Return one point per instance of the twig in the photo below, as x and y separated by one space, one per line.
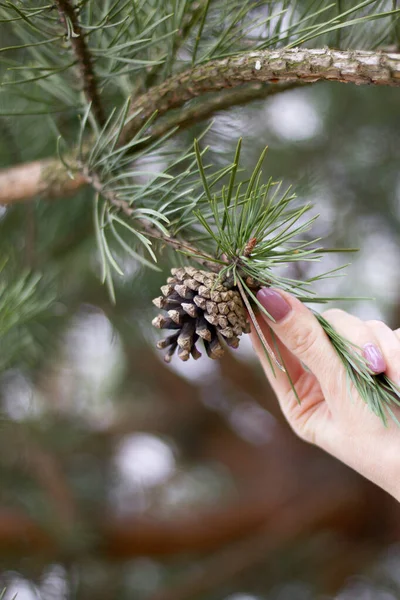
151 230
198 255
76 36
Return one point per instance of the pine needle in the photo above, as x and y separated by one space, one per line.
275 224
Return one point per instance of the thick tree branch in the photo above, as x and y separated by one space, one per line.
343 508
49 177
359 67
69 18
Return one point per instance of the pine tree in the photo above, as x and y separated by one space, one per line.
106 169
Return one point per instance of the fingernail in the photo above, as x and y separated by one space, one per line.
374 358
273 303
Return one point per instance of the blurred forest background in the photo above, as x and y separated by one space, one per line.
123 477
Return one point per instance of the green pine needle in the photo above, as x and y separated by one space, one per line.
24 306
257 227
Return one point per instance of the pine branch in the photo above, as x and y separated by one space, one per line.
290 66
257 228
49 178
148 227
25 305
125 538
353 66
68 14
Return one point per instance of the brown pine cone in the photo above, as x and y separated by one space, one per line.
198 306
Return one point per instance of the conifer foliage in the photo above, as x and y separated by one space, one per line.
105 90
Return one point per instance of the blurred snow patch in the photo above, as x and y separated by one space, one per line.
20 401
293 116
145 460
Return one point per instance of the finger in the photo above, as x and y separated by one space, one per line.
293 367
361 335
309 417
389 343
300 332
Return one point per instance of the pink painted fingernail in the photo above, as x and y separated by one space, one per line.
273 303
374 358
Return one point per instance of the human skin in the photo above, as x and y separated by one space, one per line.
327 416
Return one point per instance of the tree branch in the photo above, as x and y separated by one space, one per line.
49 177
340 505
200 257
213 103
77 38
357 66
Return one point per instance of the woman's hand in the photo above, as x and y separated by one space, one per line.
328 416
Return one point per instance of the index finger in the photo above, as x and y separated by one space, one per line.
278 379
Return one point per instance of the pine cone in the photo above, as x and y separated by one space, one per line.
199 306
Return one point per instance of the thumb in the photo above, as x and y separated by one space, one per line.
299 331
